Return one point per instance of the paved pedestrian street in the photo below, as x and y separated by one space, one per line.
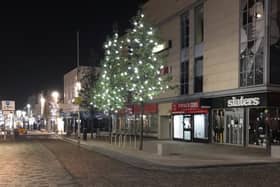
29 163
58 163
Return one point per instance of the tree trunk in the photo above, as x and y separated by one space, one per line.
142 126
110 125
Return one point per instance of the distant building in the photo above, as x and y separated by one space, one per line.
73 82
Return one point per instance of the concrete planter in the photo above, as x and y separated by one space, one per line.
275 151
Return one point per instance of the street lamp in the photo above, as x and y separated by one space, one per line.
55 96
28 109
78 88
42 100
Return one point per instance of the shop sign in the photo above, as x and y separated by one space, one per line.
240 102
8 105
136 109
188 108
148 108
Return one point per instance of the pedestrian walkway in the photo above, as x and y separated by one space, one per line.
178 156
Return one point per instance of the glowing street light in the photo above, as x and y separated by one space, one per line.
42 100
55 96
28 109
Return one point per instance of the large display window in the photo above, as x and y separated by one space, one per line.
200 126
190 127
264 122
178 127
228 126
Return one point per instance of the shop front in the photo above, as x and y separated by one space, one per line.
190 122
129 119
246 120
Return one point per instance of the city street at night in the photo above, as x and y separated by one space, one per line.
148 93
51 162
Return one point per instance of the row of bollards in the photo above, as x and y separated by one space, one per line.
123 140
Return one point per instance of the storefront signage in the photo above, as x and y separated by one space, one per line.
148 108
136 109
8 105
188 108
239 102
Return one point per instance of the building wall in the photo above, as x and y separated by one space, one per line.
165 10
70 80
221 41
221 54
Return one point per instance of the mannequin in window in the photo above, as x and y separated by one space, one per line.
219 126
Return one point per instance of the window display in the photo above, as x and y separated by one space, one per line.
234 129
228 126
200 127
260 119
257 127
218 125
178 127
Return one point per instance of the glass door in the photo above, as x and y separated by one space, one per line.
234 131
187 127
200 127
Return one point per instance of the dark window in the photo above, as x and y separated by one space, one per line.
199 24
184 82
275 42
198 75
185 30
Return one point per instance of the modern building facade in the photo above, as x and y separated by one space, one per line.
224 61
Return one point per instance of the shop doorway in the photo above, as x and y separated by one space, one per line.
188 127
228 126
234 131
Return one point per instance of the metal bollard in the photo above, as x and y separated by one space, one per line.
135 139
124 140
120 139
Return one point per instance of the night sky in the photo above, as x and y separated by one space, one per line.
38 41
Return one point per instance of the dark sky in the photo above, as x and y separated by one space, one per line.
38 40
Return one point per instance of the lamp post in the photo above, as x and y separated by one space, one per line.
43 101
55 96
77 102
28 109
28 115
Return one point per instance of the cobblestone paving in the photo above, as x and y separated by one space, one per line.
58 163
29 163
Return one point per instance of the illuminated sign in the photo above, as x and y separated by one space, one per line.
161 47
8 105
237 102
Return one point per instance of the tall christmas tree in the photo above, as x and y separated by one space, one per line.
144 64
108 92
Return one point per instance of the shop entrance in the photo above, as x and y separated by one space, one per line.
187 120
234 131
228 126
